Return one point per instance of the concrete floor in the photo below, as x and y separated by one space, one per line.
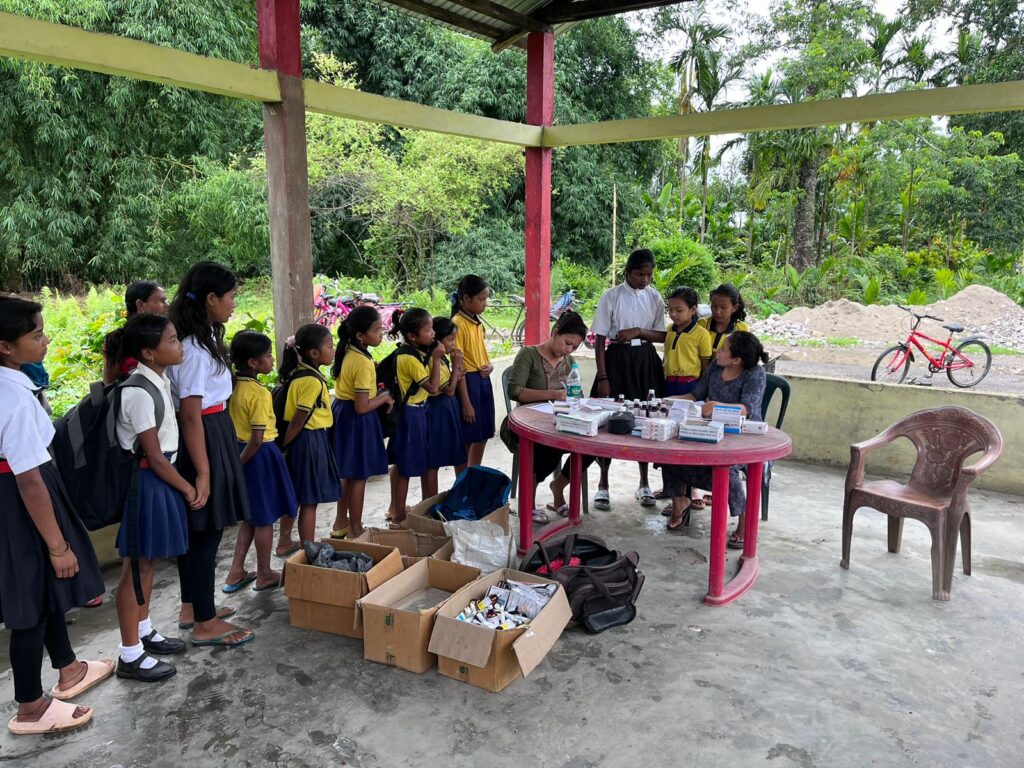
815 667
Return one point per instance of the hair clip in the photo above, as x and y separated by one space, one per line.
190 295
290 342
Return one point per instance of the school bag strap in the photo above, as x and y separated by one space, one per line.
405 349
138 381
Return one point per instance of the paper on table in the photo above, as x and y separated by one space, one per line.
543 407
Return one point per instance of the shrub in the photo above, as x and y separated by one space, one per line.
588 283
682 261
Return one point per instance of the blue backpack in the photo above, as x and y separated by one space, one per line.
477 492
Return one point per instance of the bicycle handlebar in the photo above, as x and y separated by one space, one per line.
919 317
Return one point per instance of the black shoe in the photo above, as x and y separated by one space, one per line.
134 671
166 647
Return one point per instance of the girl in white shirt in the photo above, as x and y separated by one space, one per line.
47 563
155 512
201 386
632 317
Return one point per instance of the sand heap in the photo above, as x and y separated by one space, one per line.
982 310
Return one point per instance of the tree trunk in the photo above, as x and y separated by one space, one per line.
803 237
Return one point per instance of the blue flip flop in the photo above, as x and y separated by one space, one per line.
238 586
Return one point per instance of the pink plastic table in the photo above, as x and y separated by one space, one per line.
533 426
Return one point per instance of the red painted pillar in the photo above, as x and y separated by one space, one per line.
540 110
284 137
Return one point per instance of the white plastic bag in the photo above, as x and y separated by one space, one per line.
481 544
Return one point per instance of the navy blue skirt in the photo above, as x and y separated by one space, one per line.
311 465
481 395
358 442
408 448
271 495
163 520
677 388
444 425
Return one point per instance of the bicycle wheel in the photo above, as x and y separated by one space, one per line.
892 366
517 334
970 364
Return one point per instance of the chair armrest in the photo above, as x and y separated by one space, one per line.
858 452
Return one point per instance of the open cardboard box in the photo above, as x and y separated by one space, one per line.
397 635
491 658
417 519
325 599
409 543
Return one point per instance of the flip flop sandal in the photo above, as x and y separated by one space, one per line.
660 494
221 642
707 498
735 542
224 612
684 522
265 587
562 511
289 553
96 673
540 516
697 504
340 533
667 510
96 602
238 586
57 718
645 497
602 500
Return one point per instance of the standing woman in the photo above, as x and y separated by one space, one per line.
141 296
632 316
475 391
209 460
47 563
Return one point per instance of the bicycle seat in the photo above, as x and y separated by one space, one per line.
953 327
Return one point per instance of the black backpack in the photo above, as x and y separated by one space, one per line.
279 397
387 378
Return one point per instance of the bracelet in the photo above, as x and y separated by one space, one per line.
602 378
66 549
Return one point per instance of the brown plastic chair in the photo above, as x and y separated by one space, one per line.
936 493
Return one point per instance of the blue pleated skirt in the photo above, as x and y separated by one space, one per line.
481 395
163 520
677 388
271 495
358 442
312 468
408 449
444 426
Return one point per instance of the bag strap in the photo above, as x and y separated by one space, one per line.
138 381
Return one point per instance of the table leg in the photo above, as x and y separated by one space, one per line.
719 529
753 510
575 487
526 494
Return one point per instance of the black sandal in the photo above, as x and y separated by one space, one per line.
684 521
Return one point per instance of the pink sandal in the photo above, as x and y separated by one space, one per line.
97 672
57 718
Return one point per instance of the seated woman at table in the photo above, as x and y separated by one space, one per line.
538 375
734 378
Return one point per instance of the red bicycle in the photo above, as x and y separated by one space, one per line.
966 364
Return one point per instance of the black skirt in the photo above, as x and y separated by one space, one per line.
633 371
229 499
29 588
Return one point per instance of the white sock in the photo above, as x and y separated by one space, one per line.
131 653
145 627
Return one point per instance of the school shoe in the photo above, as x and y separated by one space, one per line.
166 647
133 670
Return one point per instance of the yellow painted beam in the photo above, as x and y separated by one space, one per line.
356 105
968 99
42 41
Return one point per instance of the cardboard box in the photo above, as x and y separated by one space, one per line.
398 617
418 521
325 599
409 543
489 658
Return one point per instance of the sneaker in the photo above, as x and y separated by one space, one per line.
133 670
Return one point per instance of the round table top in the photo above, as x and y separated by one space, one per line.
539 427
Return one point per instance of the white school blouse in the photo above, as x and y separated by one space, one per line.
25 429
138 413
199 375
623 307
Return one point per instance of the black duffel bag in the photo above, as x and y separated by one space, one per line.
601 585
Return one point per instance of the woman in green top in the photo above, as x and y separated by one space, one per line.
538 375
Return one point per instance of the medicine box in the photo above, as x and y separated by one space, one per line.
702 432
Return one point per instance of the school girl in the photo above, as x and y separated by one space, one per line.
200 387
444 416
47 563
271 496
357 437
632 316
159 521
727 314
307 410
475 392
419 376
687 343
140 296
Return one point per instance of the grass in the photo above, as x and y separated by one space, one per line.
998 350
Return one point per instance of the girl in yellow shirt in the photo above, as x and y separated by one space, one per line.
444 415
475 391
357 437
687 343
271 495
727 314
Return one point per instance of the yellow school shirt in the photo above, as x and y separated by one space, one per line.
413 370
469 337
310 393
685 349
252 408
446 375
716 337
358 374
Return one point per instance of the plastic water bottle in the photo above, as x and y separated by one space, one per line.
574 387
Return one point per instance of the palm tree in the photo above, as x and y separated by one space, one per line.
881 34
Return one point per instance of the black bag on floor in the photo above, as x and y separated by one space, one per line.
602 586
